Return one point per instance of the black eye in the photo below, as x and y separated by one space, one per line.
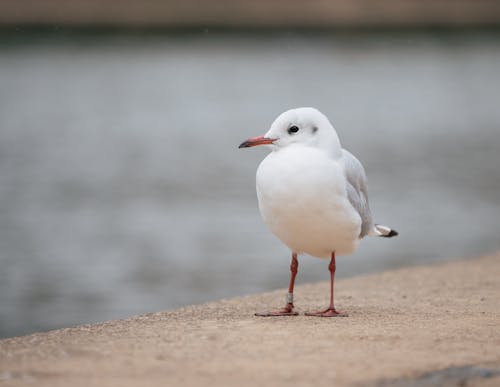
293 129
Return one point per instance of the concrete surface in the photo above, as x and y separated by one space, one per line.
421 326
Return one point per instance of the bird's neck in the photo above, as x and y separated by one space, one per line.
330 144
331 148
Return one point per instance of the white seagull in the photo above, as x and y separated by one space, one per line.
312 194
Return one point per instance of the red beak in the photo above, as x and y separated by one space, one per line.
254 141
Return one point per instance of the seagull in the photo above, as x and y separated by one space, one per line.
312 195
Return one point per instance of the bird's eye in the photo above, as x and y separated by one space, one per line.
293 129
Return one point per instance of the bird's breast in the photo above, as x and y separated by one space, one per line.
302 198
302 175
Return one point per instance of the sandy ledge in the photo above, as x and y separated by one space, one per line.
402 324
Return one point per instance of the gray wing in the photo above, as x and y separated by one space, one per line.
357 191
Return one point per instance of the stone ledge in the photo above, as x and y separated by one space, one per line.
403 324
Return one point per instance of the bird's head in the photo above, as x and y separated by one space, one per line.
302 126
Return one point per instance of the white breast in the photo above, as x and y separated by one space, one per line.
302 198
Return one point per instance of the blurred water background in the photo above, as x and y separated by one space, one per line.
122 190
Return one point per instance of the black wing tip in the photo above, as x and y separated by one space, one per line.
391 234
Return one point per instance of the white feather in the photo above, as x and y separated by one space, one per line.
312 193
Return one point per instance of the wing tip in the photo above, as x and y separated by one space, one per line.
391 234
385 232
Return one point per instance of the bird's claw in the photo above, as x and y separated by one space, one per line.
330 312
286 311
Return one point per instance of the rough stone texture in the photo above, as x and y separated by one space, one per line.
403 324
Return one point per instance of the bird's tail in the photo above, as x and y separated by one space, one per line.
383 231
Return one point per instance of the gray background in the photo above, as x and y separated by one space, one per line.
122 190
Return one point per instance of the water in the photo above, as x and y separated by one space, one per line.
122 190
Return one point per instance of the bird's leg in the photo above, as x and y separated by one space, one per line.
287 310
330 311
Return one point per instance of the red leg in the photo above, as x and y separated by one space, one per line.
330 311
287 310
